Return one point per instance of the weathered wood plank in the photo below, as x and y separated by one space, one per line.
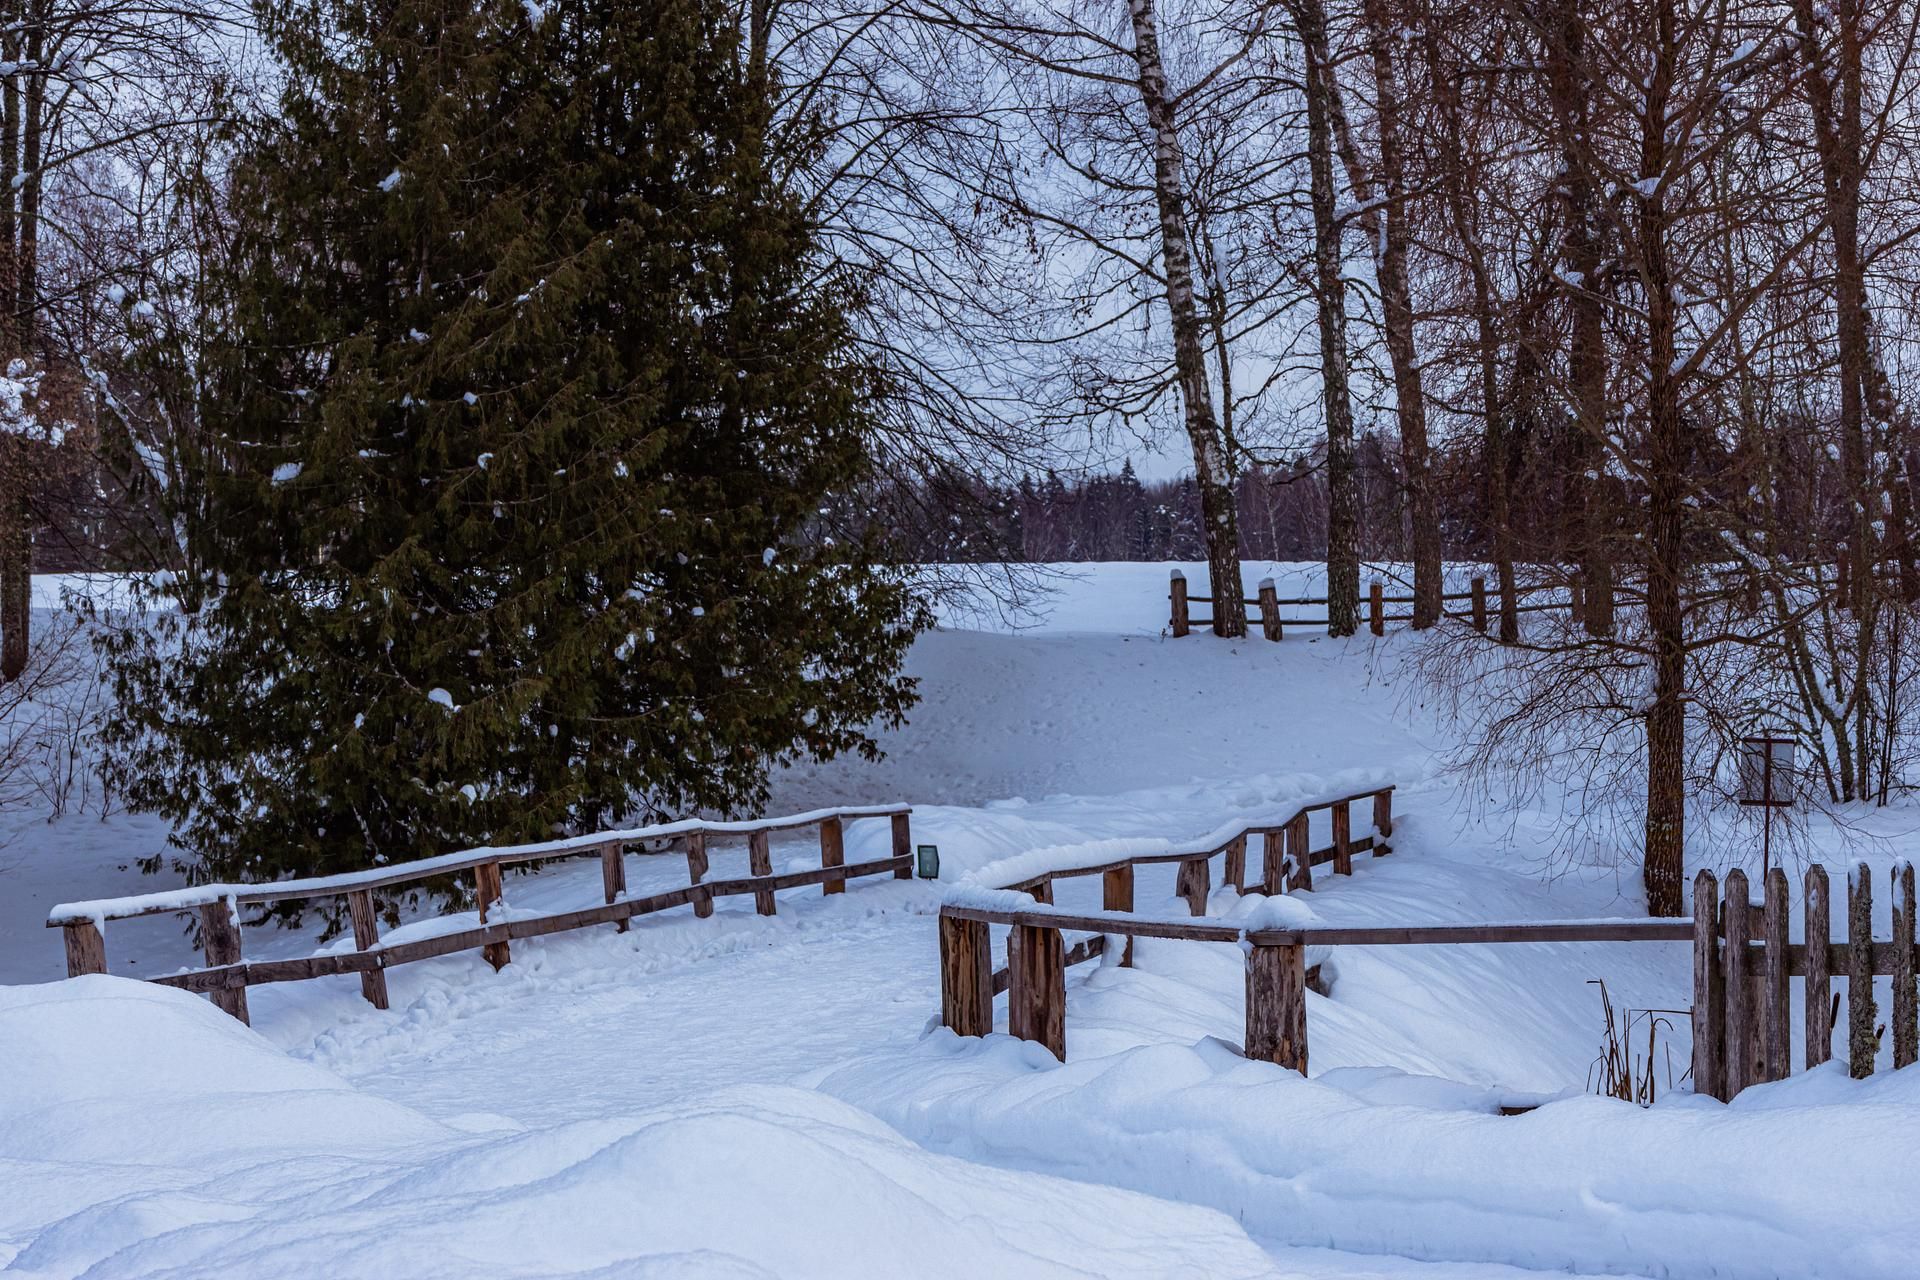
1037 993
487 888
1270 624
366 936
1861 1042
1273 862
760 863
1480 605
1740 1012
1042 891
697 868
1709 1007
1277 1006
220 940
613 874
1777 998
1234 866
966 994
903 845
1443 934
1299 854
1819 969
1342 839
833 853
86 948
1178 622
1906 1033
1194 884
1383 822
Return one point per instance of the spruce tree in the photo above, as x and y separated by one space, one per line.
527 394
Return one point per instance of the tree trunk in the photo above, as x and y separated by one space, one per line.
1343 558
1212 469
1386 225
16 582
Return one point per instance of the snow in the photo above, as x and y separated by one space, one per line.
287 473
748 1095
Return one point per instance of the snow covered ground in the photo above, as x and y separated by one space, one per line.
748 1096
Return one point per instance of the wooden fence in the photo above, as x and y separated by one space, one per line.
1269 603
1742 964
1037 958
227 974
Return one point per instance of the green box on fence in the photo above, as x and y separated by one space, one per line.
928 861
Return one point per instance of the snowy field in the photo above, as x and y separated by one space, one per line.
763 1097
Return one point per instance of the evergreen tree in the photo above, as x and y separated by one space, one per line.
527 398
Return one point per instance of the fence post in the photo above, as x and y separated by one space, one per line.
1709 1008
1376 609
1480 605
1297 849
1906 1034
1342 839
903 845
1382 822
1739 993
1116 894
1861 1042
1194 883
1779 1012
1037 987
1819 980
1277 1005
966 977
1177 593
1273 861
1043 892
697 866
487 888
1234 865
1270 625
760 863
833 853
613 874
220 939
366 936
86 947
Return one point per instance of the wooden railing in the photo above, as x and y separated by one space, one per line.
1286 864
227 974
1741 1011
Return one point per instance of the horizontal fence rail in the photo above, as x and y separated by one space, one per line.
227 975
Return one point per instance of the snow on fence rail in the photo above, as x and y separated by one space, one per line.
227 975
1742 962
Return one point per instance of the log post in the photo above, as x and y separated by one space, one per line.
1270 624
760 863
697 866
966 977
220 939
613 874
1906 1032
1194 884
1037 987
1234 865
1861 1042
833 853
903 845
1301 855
1376 609
1738 992
86 947
1116 894
1382 822
366 936
1273 861
1043 892
1177 593
1819 979
487 888
1277 1005
1342 839
1480 605
1778 1018
1709 1009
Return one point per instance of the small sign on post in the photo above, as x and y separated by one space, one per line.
1766 781
927 860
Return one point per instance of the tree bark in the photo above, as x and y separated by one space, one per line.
1385 224
1213 472
1343 558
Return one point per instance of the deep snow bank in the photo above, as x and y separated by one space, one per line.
1812 1176
144 1134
